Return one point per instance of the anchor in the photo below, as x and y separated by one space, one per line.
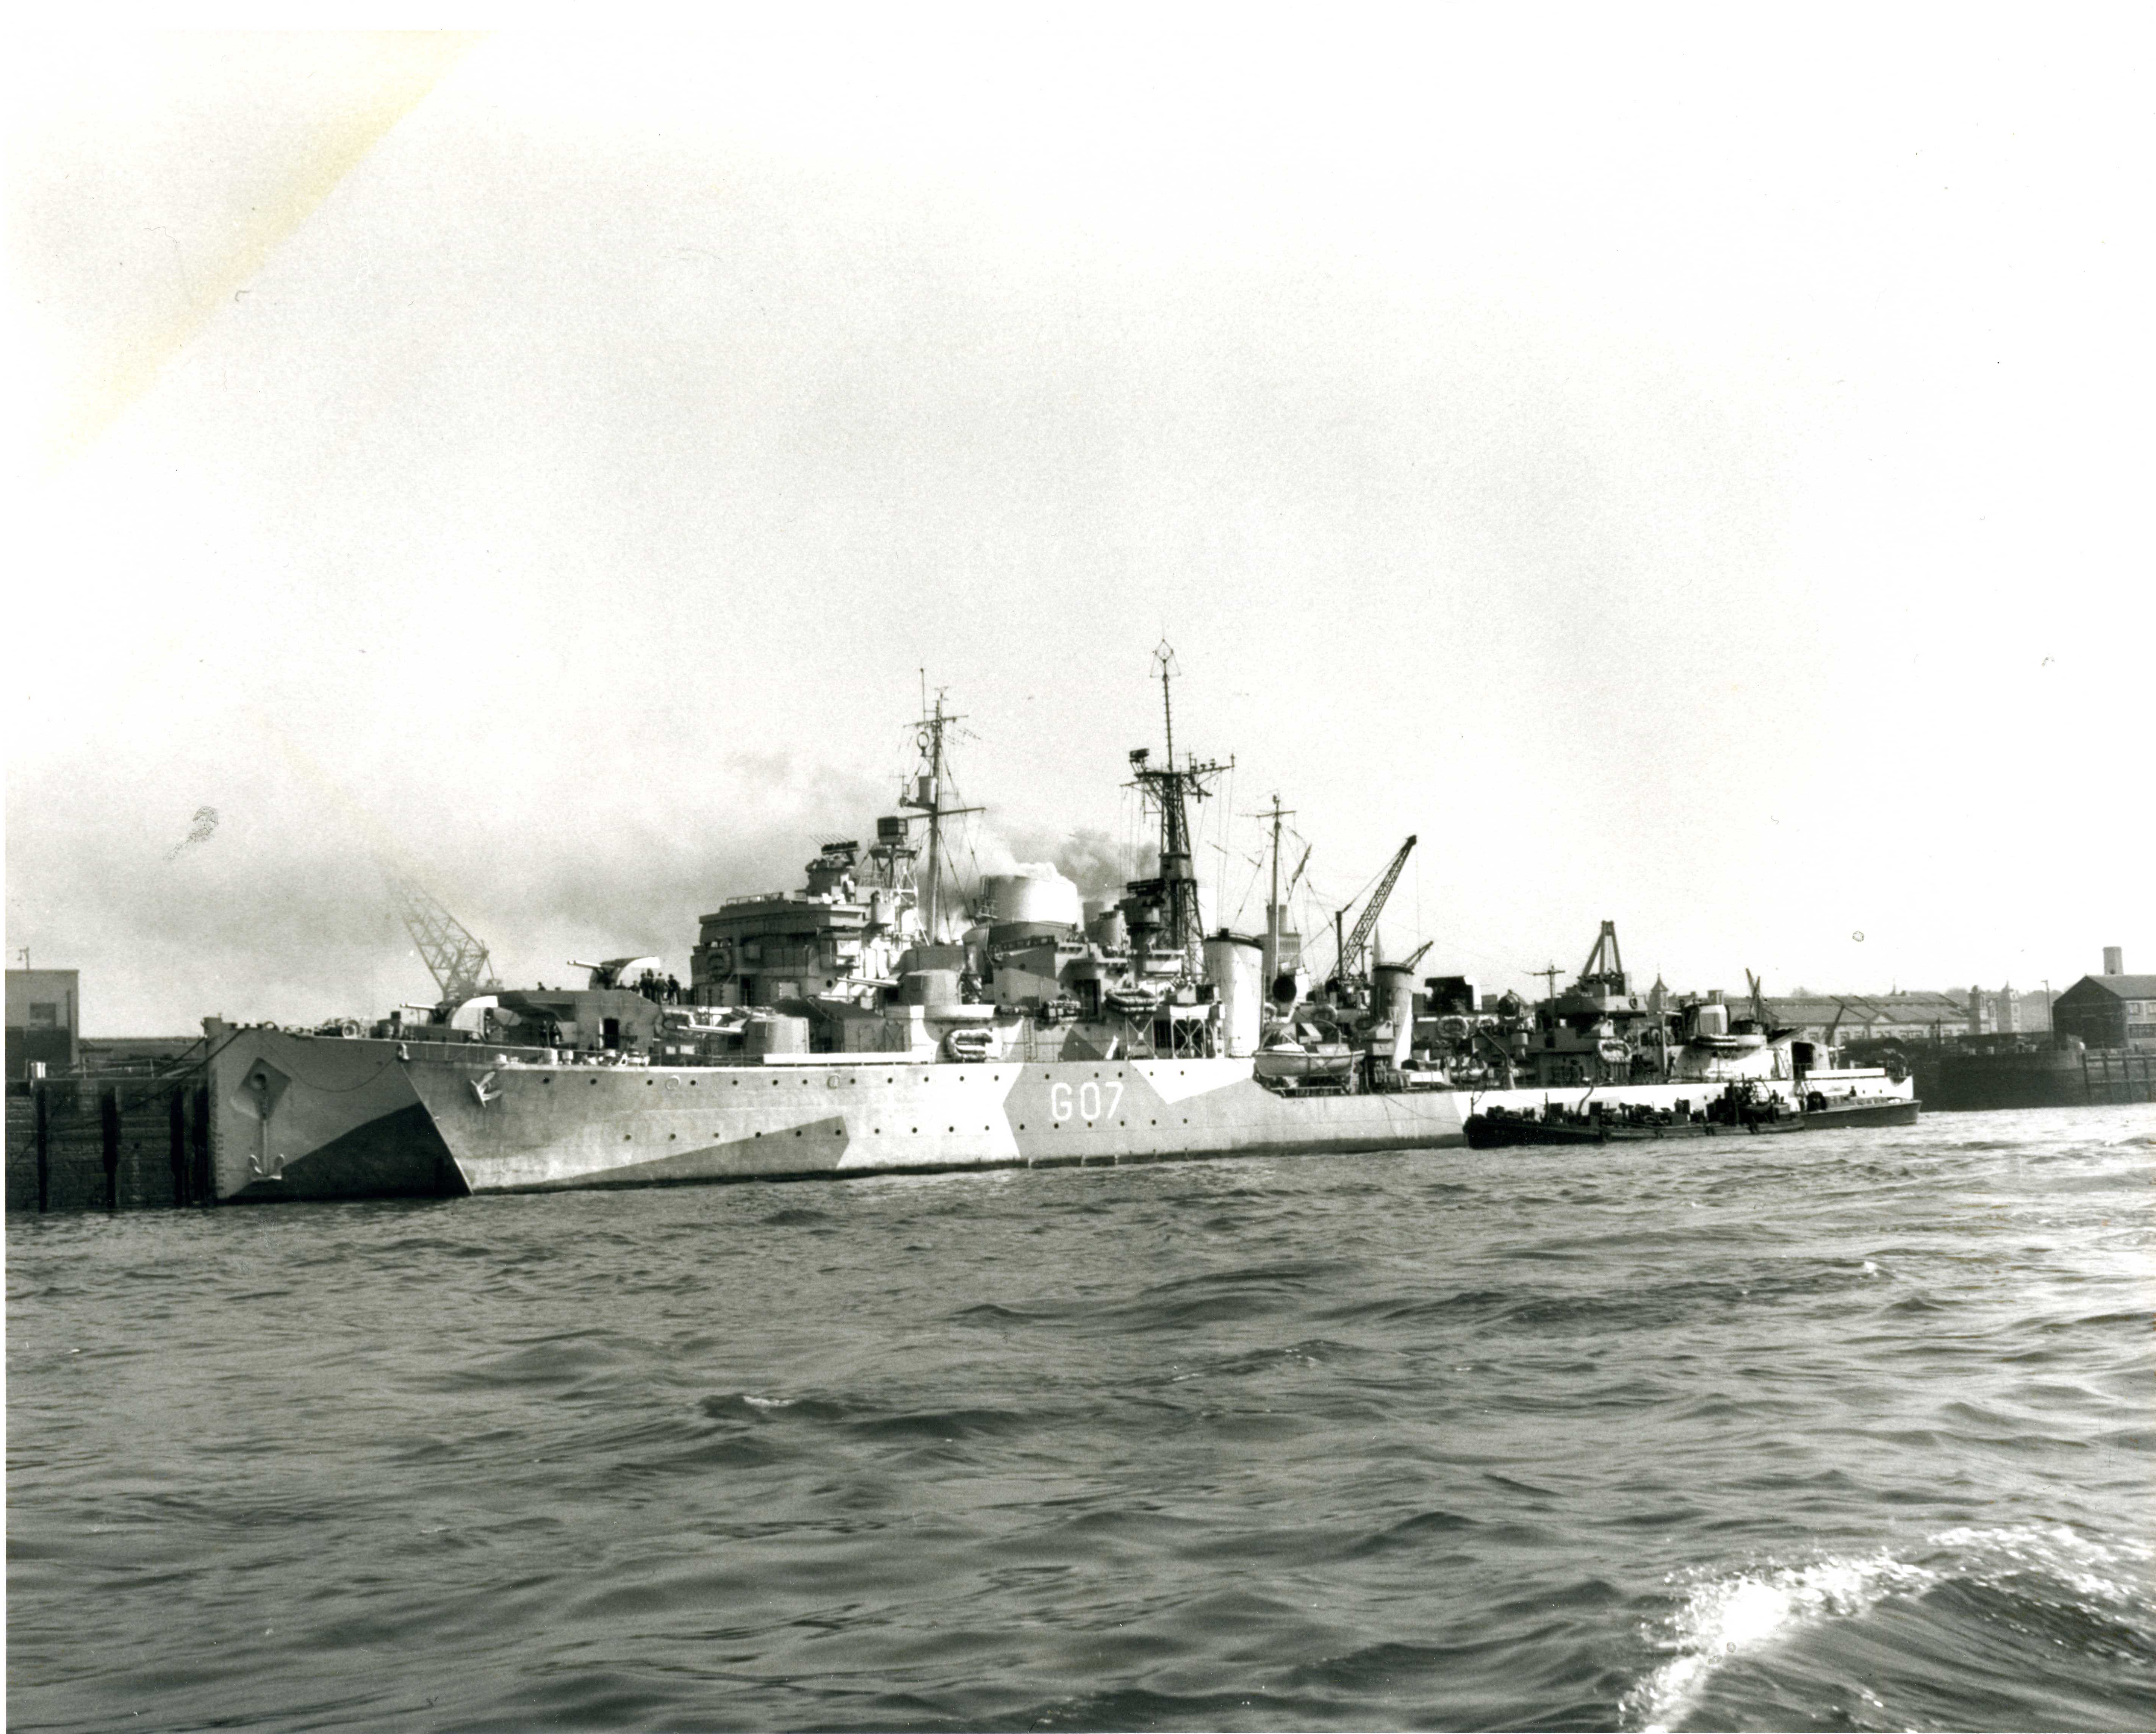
479 1087
261 1165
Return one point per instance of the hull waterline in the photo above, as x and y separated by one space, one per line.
526 1128
538 1128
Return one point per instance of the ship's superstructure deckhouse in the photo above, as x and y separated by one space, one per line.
862 958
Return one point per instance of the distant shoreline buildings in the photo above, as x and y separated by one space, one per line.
1914 1016
44 1019
2108 1009
2111 1009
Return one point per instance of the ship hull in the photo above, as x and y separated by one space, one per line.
541 1128
303 1117
1503 1132
1484 1132
298 1116
1899 1113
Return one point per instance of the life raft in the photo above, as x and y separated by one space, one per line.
970 1044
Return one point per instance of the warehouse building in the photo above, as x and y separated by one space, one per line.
44 1019
1871 1018
2112 1010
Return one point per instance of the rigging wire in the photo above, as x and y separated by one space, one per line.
1257 869
1327 912
1227 828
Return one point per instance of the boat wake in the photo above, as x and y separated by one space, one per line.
1749 1619
1727 1618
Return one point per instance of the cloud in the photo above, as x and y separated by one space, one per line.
290 917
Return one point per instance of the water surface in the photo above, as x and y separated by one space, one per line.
1853 1429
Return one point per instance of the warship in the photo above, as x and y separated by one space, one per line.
871 1022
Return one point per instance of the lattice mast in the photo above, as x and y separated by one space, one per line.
1171 789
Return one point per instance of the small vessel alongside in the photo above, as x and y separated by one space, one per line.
1737 1112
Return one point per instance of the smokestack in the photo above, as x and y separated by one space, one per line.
2114 960
1393 996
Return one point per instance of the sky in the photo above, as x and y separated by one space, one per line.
1687 470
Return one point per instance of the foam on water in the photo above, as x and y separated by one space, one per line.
1742 1615
2117 1573
1726 1618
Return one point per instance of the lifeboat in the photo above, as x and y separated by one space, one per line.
1292 1060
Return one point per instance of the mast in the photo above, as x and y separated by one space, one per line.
928 798
1171 790
935 724
1552 972
1276 812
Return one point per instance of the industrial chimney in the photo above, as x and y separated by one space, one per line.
2114 960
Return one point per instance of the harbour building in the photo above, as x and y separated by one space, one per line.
1836 1020
2112 1009
44 1020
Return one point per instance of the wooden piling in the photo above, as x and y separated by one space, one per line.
41 1113
2127 1075
177 1118
108 1113
205 1192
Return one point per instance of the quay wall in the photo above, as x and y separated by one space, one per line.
98 1144
1953 1081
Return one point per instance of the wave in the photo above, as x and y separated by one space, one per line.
2115 1573
1731 1616
1212 1297
1545 1309
2092 1599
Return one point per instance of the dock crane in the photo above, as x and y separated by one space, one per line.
1354 949
1604 968
458 961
